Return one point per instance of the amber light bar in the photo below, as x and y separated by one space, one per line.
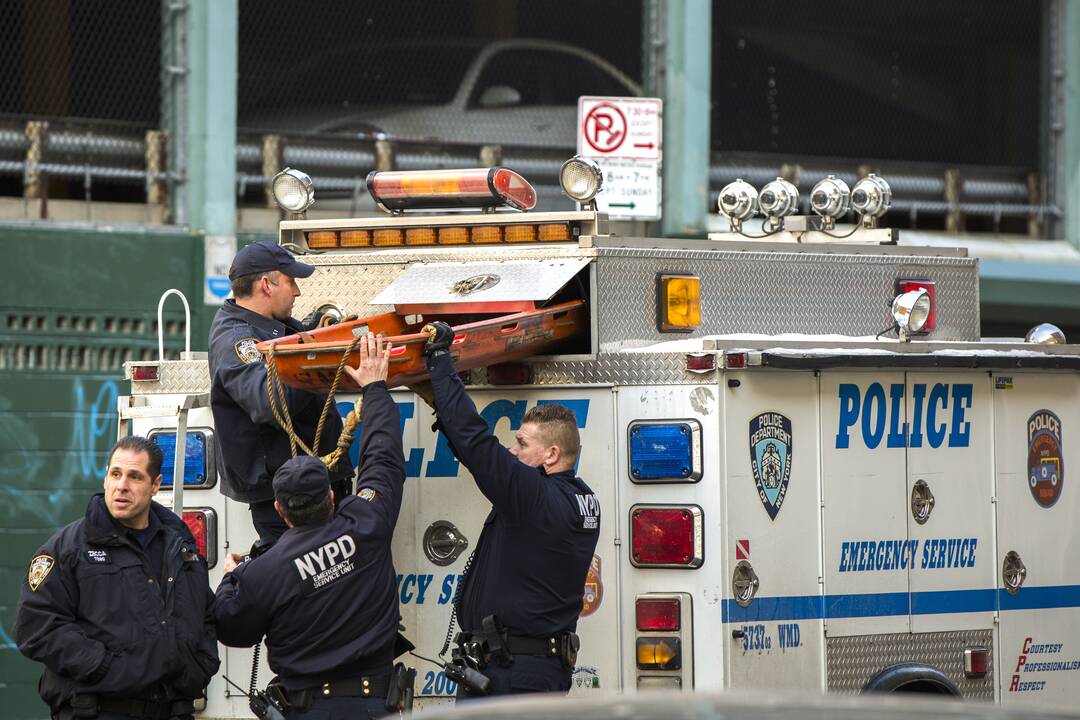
516 233
397 191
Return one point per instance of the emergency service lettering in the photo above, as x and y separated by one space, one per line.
420 589
935 554
938 415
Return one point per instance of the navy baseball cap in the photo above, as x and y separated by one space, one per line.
301 480
265 256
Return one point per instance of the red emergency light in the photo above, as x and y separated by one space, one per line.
202 523
657 614
666 536
397 191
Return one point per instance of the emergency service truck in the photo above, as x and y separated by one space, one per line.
792 498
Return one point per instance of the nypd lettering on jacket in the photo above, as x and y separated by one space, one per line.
934 554
935 415
326 563
589 507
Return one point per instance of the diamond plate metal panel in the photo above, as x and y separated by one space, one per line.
853 661
622 369
176 377
511 280
778 292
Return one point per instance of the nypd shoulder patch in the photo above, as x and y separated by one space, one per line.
40 567
366 494
246 351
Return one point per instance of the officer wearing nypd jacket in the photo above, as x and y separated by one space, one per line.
251 442
522 592
325 595
116 605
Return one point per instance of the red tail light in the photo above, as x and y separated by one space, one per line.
976 661
144 373
658 614
203 526
666 536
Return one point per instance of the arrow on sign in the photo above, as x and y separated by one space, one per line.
647 146
630 205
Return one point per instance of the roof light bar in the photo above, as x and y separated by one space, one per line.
398 191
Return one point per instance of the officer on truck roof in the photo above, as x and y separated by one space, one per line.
116 605
325 595
252 444
522 591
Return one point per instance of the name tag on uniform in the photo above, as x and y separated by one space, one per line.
100 557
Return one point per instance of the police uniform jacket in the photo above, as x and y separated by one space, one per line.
95 613
252 444
325 595
533 554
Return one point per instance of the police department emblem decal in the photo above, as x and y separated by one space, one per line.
770 459
40 567
1046 462
245 350
367 494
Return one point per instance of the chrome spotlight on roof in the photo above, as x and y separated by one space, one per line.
830 198
777 200
581 179
737 202
871 198
910 311
293 191
1045 334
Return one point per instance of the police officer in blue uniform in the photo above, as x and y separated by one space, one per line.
325 595
251 442
117 605
522 592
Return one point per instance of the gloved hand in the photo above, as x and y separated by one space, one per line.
440 337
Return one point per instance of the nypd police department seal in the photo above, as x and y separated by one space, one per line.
1046 461
40 567
770 459
366 494
246 351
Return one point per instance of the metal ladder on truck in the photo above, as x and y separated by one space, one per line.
132 407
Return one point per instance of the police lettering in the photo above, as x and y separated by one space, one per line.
321 562
937 413
1044 421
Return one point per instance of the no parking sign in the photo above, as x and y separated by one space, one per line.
624 135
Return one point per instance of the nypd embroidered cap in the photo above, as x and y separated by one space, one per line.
301 480
266 256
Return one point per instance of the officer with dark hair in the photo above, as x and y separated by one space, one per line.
252 444
117 605
522 592
325 595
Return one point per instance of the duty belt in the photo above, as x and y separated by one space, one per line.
145 709
519 644
363 686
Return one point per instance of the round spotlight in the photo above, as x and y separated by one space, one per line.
777 200
871 196
293 190
581 179
830 198
737 202
910 311
1045 334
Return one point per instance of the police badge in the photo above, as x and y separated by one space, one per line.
40 567
1046 461
770 459
246 351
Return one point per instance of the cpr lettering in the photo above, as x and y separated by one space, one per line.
326 556
413 588
936 415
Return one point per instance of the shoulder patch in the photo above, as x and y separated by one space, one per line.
40 567
366 494
245 350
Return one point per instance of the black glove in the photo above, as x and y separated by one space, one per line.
440 340
312 321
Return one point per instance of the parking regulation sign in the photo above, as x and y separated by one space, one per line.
624 135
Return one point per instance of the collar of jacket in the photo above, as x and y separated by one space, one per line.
270 326
102 529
